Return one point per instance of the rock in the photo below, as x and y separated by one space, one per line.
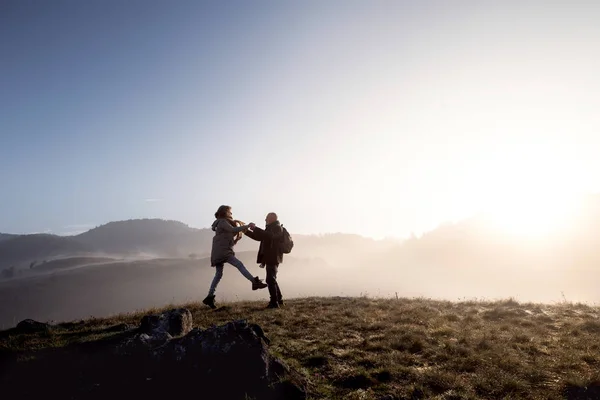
142 346
156 340
279 368
236 349
259 332
232 360
233 348
175 322
155 331
31 326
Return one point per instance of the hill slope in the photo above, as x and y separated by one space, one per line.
154 236
68 289
23 249
162 238
6 236
359 348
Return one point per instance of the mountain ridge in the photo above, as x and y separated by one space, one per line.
144 237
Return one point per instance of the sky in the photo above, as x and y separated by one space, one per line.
379 118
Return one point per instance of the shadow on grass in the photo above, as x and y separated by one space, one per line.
574 391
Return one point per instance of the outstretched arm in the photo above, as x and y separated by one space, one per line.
262 234
226 226
252 235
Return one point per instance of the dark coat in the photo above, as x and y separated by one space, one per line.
223 241
270 238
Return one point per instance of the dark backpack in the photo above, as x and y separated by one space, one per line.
286 243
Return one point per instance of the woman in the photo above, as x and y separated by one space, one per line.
227 234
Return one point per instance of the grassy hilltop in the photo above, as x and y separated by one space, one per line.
361 348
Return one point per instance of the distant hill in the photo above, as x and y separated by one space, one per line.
164 238
70 262
146 236
23 249
6 236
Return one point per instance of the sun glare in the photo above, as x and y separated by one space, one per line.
534 216
531 189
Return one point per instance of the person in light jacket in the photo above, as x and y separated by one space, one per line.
227 234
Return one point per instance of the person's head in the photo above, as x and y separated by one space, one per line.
271 217
224 212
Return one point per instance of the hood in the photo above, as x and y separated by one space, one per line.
214 224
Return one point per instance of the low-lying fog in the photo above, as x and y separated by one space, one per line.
101 288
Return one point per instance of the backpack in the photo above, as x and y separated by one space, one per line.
286 243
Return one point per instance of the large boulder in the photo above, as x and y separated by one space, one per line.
231 349
31 326
175 322
232 360
156 330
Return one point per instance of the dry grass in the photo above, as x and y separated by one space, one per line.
360 348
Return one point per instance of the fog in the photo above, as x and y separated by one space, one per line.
457 261
431 266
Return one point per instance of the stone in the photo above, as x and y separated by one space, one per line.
175 322
31 326
232 360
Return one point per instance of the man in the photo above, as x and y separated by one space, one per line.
270 254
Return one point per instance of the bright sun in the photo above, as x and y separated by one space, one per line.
532 195
534 215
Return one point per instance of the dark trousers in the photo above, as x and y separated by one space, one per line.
273 286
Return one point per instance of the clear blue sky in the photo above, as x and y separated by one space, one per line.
372 117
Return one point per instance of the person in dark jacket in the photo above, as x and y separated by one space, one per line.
227 234
270 254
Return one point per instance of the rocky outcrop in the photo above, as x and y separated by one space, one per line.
162 358
158 329
31 326
229 361
175 322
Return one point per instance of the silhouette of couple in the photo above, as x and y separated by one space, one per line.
228 232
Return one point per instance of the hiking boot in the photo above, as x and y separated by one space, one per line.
210 301
273 305
280 302
258 284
